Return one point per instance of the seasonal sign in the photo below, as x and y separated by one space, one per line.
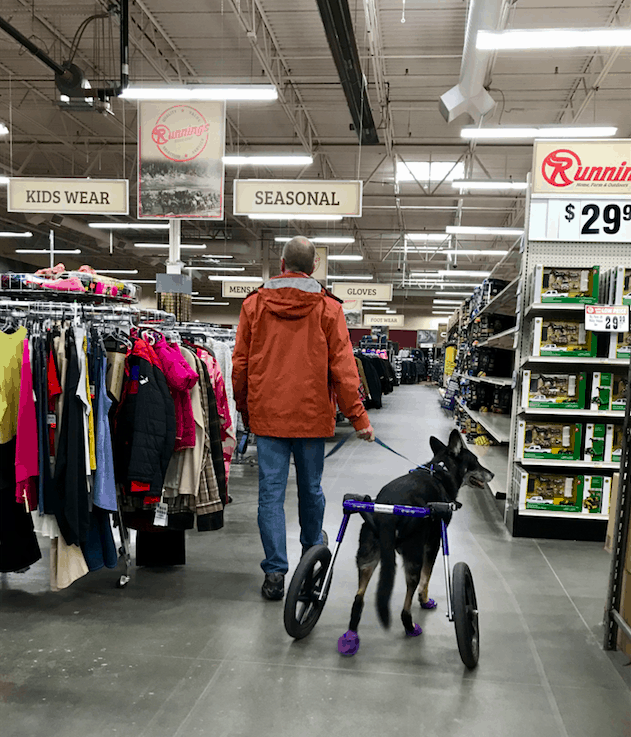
68 196
180 160
297 197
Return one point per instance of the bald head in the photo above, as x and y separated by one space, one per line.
299 255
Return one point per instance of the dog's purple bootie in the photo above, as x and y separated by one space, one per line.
429 604
415 632
348 644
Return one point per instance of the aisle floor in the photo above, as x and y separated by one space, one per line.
195 650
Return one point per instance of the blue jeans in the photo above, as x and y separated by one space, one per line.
274 456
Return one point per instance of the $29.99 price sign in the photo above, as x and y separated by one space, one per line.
596 221
606 319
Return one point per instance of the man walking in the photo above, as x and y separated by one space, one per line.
293 358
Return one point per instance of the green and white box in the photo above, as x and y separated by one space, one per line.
564 285
602 391
619 393
596 440
556 337
613 447
620 345
596 495
554 441
619 286
560 391
551 492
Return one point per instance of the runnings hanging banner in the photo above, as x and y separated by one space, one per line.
180 160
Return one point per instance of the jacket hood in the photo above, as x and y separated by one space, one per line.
291 296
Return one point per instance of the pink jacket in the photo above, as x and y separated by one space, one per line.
181 379
26 451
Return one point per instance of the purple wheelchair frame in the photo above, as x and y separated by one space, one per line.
441 510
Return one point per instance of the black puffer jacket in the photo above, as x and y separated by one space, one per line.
145 425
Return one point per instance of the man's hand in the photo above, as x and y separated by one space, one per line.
367 434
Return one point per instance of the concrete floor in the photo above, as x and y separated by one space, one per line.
196 651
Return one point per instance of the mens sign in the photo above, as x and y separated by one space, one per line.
391 321
68 196
238 289
594 168
363 291
297 197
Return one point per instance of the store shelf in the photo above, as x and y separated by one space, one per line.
562 515
504 340
498 426
543 307
506 299
574 361
594 414
537 462
496 380
495 458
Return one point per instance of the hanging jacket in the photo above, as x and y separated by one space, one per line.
292 358
26 453
180 379
145 424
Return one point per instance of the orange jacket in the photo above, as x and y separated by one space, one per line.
292 358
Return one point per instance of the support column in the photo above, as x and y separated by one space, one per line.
265 248
175 264
51 242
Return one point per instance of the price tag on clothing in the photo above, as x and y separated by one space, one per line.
162 514
607 319
51 419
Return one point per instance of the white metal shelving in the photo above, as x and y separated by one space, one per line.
551 463
496 380
592 414
498 426
499 340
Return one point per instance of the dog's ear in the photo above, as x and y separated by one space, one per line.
436 445
455 442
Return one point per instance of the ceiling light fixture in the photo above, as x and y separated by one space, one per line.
457 273
216 255
487 184
200 297
143 281
116 271
391 312
374 304
188 246
540 132
332 239
374 307
4 131
554 38
446 301
420 237
261 160
4 180
351 278
209 304
474 230
47 250
474 252
216 268
130 226
425 171
254 279
12 234
293 216
345 257
201 92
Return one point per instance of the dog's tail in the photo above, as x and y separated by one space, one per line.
386 583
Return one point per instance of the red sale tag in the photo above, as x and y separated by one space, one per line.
607 319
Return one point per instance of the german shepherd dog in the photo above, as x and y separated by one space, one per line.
417 540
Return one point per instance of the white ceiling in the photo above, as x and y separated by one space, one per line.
207 41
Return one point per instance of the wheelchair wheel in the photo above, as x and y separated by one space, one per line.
302 608
466 615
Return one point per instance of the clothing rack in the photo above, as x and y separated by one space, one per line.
141 317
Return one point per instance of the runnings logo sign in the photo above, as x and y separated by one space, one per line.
584 167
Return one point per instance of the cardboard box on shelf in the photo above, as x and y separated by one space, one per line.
562 337
556 441
560 391
554 284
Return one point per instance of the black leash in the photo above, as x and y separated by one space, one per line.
341 442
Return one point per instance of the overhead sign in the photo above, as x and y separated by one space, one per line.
321 263
591 168
68 196
297 197
180 160
607 319
360 290
238 289
353 312
392 321
586 220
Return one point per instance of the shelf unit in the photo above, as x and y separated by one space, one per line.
497 380
592 414
586 465
504 340
506 299
574 361
498 426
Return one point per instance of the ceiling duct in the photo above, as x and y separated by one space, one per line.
469 96
336 18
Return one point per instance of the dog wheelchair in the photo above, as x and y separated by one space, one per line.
310 584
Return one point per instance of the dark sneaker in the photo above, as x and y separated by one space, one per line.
274 586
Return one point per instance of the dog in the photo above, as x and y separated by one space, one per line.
417 540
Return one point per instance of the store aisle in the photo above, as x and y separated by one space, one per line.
197 651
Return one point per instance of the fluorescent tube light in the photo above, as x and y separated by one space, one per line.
130 226
554 38
374 304
345 257
13 234
4 131
458 273
536 132
293 216
143 281
4 180
474 252
351 278
201 92
374 307
447 301
487 184
391 312
216 255
116 271
209 304
333 239
201 298
47 250
424 171
254 279
473 230
189 246
260 160
216 268
446 293
420 237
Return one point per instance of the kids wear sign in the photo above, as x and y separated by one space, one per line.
68 196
